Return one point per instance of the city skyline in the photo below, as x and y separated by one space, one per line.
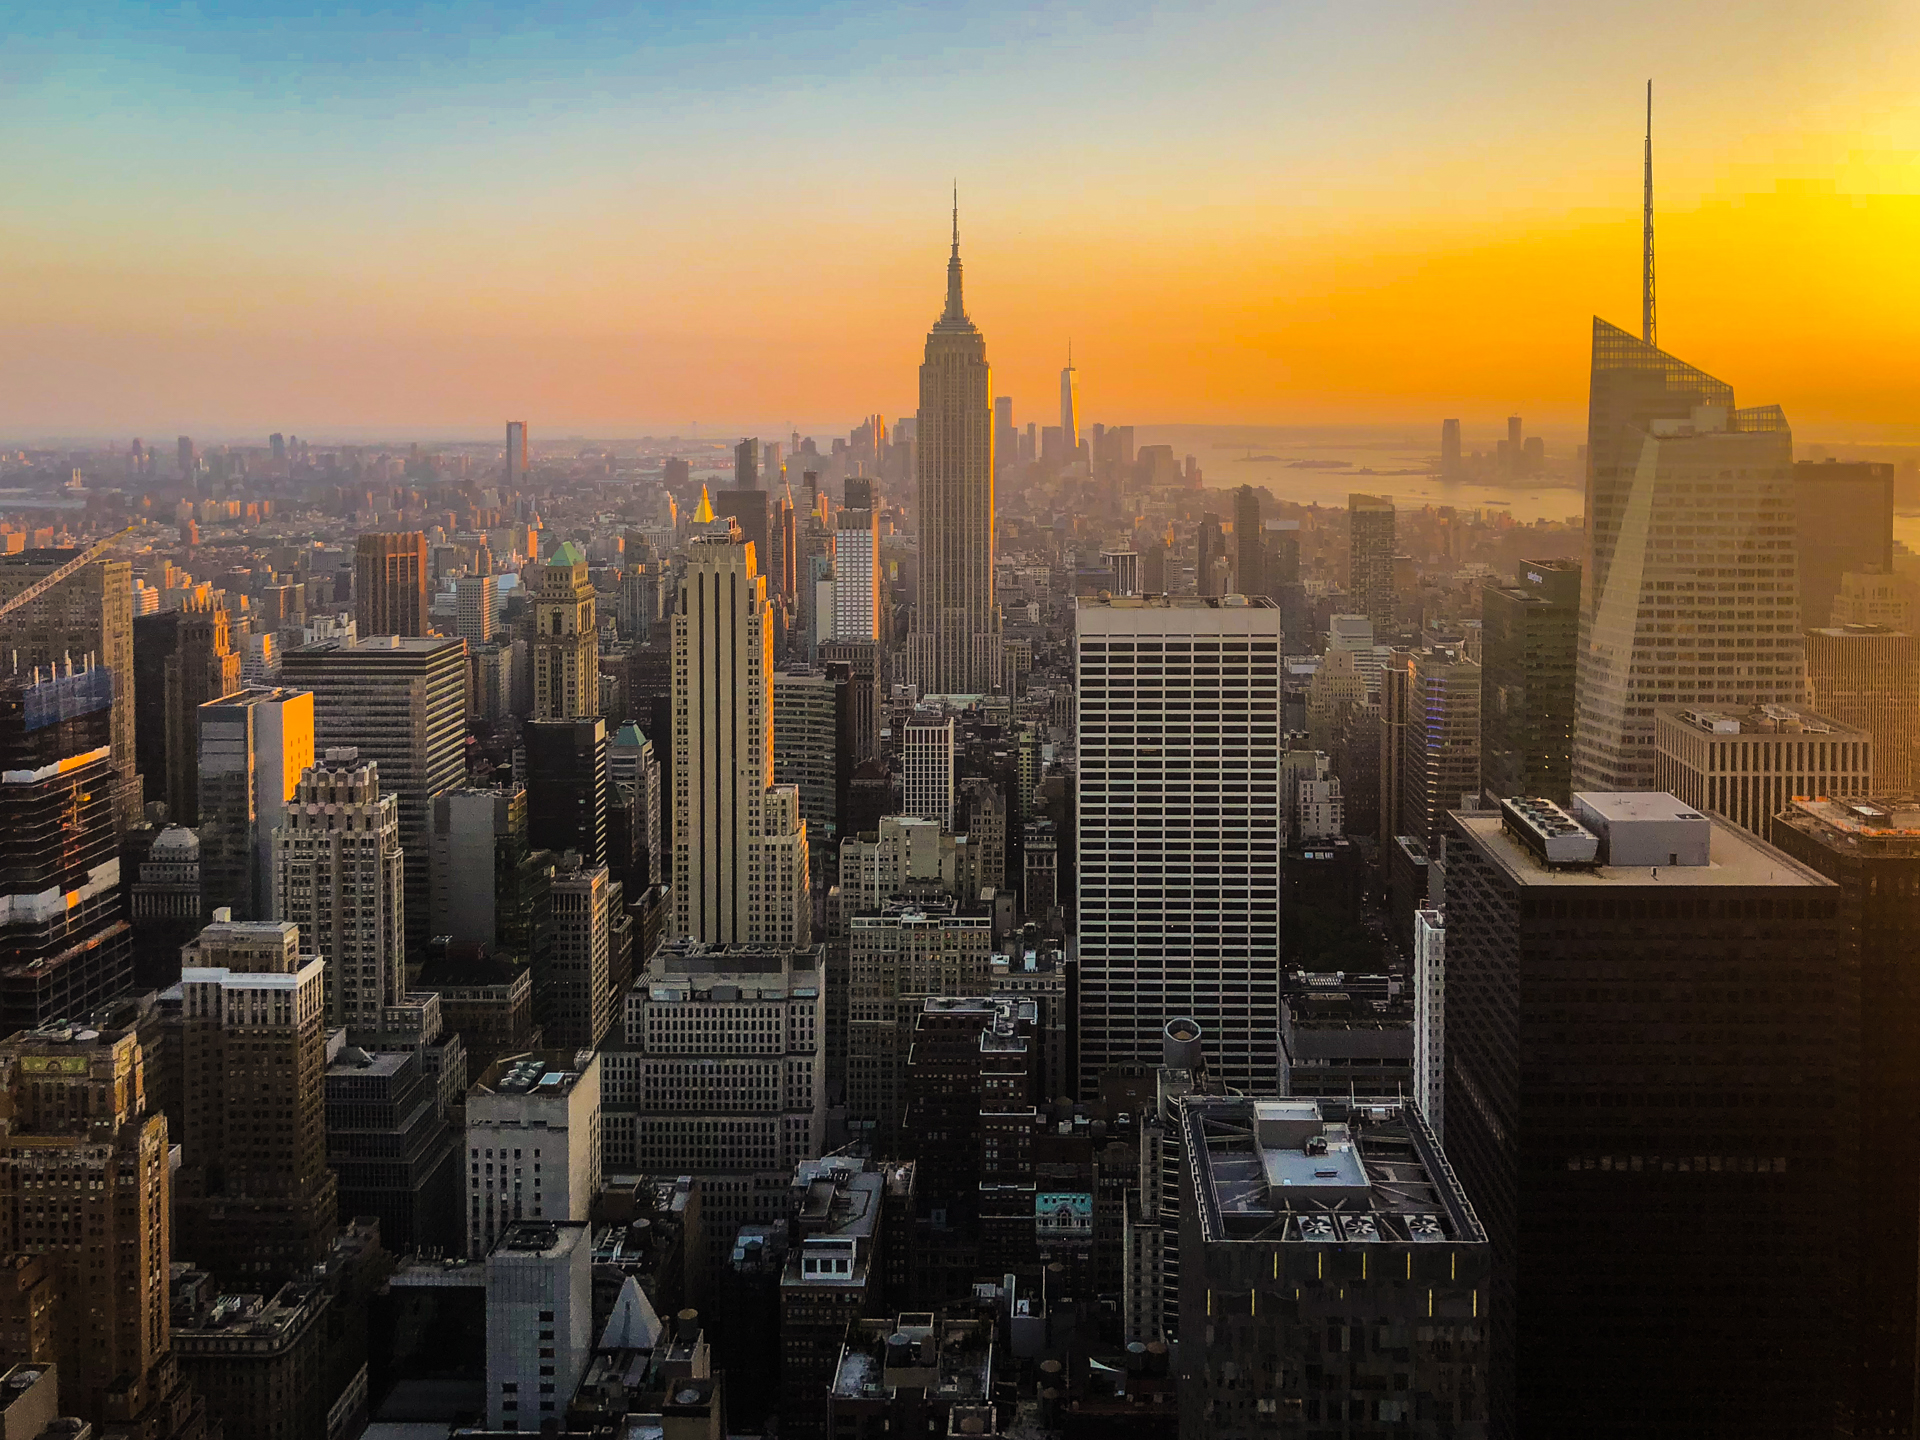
634 299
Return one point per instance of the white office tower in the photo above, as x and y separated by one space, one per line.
926 769
539 1322
533 1142
1430 1016
856 576
1691 592
338 874
739 845
1180 831
474 603
723 1076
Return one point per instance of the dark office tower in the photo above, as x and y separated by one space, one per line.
858 493
1529 635
390 584
953 643
567 787
1449 447
65 945
1666 617
1845 519
752 512
189 458
88 613
1868 676
1516 445
676 473
862 659
1006 439
400 702
1649 1097
1249 555
1871 850
781 537
1209 545
253 745
255 1200
746 465
1370 546
182 659
1153 568
391 1146
516 463
1440 756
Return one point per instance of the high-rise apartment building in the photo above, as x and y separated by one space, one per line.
390 584
566 639
1868 677
1355 1205
1529 638
1749 765
182 659
88 613
1370 549
87 1197
1843 516
746 465
533 1143
1179 831
1691 591
813 748
254 1201
1440 759
1871 850
739 845
1430 1016
723 1077
337 874
254 746
927 769
566 769
65 945
631 765
857 608
1650 1186
539 1326
474 599
953 643
400 702
395 1154
1450 447
1209 552
1006 438
516 463
1249 554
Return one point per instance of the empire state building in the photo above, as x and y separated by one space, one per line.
954 643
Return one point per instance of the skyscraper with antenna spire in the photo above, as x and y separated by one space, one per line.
1070 407
953 640
1648 331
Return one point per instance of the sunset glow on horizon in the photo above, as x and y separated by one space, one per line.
617 219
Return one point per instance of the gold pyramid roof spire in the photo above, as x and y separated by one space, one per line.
704 515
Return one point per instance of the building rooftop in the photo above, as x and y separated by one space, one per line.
1174 602
263 1322
1734 858
541 1239
949 1359
1303 1171
1885 826
534 1072
1755 720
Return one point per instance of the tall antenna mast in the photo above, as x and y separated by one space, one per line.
1648 332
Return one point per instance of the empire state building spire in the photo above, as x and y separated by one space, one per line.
956 312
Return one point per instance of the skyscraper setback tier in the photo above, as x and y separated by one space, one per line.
65 946
1179 832
1691 579
954 644
1649 1100
566 639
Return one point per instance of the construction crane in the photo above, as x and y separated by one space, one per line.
86 557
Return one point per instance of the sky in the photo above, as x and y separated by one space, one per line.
235 216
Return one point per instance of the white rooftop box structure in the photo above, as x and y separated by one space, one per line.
1644 827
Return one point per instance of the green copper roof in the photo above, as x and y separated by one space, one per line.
568 554
628 735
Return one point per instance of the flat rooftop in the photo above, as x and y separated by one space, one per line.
1734 857
1754 721
1887 826
532 1073
1305 1171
